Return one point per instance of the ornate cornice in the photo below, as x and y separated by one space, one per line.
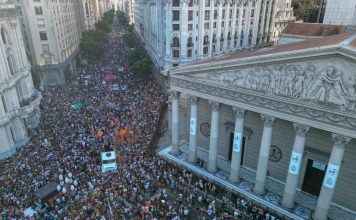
301 111
340 141
301 130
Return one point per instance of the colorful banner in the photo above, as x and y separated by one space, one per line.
193 126
331 175
237 141
294 165
77 106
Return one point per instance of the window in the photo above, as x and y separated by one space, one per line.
223 14
176 27
48 60
175 42
175 3
45 48
190 27
207 15
244 13
230 14
205 50
214 24
4 103
190 42
175 64
190 3
43 35
175 15
222 24
190 15
206 26
207 3
40 22
3 36
215 14
38 11
206 39
252 13
189 53
176 53
237 13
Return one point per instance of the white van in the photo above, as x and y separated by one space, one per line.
108 161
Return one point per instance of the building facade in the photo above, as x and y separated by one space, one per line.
175 32
19 102
89 13
278 124
340 12
53 34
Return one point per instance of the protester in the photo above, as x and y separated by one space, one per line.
80 121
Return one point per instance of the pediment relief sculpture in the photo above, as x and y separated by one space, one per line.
325 84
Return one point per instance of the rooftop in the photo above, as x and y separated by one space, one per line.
348 39
313 30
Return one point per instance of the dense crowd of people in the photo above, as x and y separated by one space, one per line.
76 122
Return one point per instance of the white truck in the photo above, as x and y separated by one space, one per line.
108 161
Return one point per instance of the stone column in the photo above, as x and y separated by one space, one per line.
169 102
236 148
263 158
294 165
175 122
214 135
330 178
193 136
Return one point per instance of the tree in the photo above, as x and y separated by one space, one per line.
121 17
129 39
103 25
134 56
109 16
92 42
142 67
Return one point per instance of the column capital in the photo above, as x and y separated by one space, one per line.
193 100
268 120
214 106
340 141
239 112
174 94
301 130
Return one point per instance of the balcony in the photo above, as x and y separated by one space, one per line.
24 110
190 44
214 40
206 42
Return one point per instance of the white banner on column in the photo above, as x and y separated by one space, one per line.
294 164
237 141
193 126
331 175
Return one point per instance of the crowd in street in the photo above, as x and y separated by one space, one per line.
66 145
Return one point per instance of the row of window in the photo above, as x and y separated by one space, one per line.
176 54
176 14
175 27
176 3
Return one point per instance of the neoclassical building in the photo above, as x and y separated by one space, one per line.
175 32
19 102
279 121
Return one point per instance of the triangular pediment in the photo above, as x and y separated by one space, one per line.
331 80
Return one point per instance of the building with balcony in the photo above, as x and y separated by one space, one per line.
19 102
175 32
53 36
